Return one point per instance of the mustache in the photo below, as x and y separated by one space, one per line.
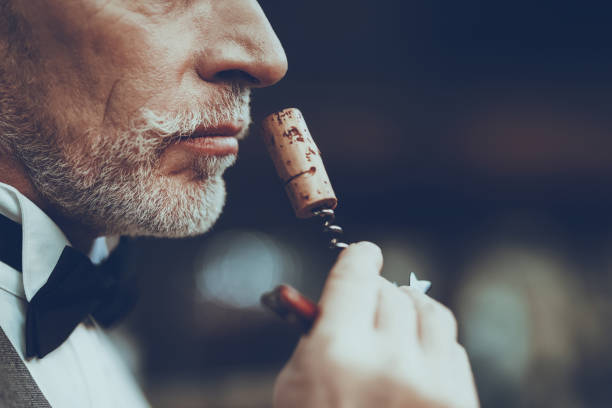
229 105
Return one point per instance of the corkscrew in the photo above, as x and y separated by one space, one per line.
299 165
328 216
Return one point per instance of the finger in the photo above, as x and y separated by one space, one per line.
436 323
350 294
396 316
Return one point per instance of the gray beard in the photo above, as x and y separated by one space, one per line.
112 185
103 194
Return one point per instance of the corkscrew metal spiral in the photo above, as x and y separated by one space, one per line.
335 231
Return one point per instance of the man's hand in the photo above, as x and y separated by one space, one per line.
376 345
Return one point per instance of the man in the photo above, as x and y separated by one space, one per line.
118 117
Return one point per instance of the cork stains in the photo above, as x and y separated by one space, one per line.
311 172
281 116
298 162
309 153
293 134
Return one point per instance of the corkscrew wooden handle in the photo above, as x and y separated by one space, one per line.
292 306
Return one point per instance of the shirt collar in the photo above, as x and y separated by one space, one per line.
43 241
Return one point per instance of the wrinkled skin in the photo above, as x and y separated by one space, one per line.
82 73
101 61
76 77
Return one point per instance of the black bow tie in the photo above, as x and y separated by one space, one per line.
75 289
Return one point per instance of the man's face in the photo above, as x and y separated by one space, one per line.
125 113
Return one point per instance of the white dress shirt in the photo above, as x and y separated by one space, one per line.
85 371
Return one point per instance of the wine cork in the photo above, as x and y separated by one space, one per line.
298 162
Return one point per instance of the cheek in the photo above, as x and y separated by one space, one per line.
135 69
100 69
111 72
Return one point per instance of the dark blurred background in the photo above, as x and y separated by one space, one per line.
471 140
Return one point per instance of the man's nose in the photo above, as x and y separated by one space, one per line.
243 47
